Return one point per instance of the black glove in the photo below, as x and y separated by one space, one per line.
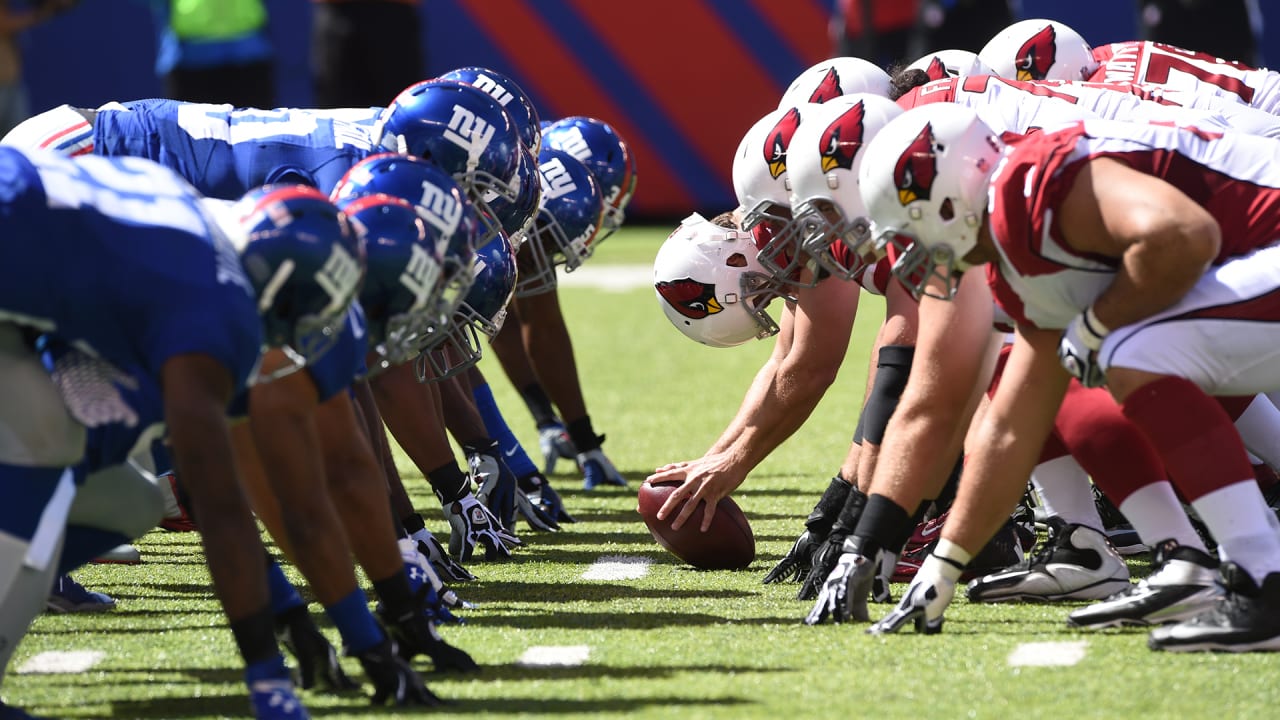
795 565
828 554
415 634
393 680
317 660
540 492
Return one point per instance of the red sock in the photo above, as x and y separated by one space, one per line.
1193 434
1235 405
1114 451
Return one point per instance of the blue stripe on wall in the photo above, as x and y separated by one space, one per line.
756 34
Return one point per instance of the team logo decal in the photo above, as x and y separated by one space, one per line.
775 145
828 88
1036 55
841 140
916 168
690 298
936 70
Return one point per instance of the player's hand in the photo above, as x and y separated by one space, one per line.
1078 349
393 680
495 483
533 513
427 587
472 526
794 566
597 470
839 597
823 561
445 566
703 483
926 598
554 442
540 493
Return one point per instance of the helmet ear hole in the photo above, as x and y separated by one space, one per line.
736 260
947 210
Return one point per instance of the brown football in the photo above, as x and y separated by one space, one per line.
727 545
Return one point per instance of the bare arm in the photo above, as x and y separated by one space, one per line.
1009 441
1164 240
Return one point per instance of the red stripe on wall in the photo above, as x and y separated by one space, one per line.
711 101
801 25
553 73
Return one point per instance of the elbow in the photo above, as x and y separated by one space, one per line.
1205 240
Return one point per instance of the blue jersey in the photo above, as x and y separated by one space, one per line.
344 363
225 152
117 259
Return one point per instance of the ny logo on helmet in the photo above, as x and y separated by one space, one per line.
828 88
556 181
420 276
468 131
1036 55
916 168
840 142
777 141
491 86
439 208
692 299
339 277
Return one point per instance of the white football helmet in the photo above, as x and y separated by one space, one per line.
823 161
710 285
1039 50
833 78
764 191
951 63
924 180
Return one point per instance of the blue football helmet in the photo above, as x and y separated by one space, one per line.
440 202
565 226
605 153
511 96
516 216
461 129
481 314
403 280
305 265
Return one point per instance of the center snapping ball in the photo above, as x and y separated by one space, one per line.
727 545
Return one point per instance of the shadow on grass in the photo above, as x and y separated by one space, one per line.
616 621
600 591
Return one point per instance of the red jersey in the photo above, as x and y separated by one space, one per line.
1175 68
1040 281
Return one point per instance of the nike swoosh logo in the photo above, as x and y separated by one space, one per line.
511 452
929 531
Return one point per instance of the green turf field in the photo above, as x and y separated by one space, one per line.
675 642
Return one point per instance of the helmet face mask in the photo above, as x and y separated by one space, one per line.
822 224
565 227
479 315
598 145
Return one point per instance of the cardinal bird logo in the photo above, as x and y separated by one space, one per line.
690 298
828 89
1036 55
916 168
840 142
936 70
776 143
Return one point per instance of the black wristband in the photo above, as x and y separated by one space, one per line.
824 514
850 513
583 435
539 404
884 524
448 482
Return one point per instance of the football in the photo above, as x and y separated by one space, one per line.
727 545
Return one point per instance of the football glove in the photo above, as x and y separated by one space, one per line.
926 598
1078 349
317 660
444 565
533 513
436 600
540 493
495 483
393 680
554 442
794 566
472 526
843 596
597 470
824 559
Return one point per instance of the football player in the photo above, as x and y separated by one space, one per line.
1152 270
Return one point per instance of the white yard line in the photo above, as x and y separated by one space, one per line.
618 567
612 278
554 656
61 662
1048 654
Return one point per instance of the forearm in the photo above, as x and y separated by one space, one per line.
412 414
775 407
460 414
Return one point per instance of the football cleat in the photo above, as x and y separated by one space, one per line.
1002 551
69 596
1119 532
1183 583
1075 563
125 554
1245 620
275 700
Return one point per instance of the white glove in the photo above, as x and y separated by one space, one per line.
1078 349
471 526
554 442
929 593
843 597
597 470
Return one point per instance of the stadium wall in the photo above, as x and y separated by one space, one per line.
682 80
